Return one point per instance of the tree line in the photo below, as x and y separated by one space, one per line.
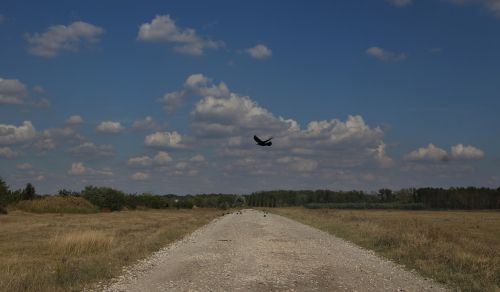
407 198
111 199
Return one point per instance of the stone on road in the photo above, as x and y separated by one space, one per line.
251 252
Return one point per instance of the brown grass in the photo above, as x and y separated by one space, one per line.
458 248
56 204
66 252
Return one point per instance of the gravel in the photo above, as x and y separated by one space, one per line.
253 252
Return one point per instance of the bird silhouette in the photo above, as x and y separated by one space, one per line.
263 143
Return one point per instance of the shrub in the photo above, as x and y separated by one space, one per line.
104 197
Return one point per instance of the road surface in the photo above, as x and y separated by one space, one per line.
253 252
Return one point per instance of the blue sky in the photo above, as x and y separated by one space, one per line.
166 97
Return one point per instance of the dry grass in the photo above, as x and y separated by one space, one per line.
57 204
459 248
66 252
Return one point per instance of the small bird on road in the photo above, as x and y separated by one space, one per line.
262 143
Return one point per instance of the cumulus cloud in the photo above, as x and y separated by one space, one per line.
11 134
63 38
385 55
148 123
197 158
381 157
460 151
24 166
110 127
50 138
162 158
140 176
89 150
196 84
429 153
74 120
140 161
7 153
186 41
164 139
79 169
14 92
400 3
260 52
228 122
299 164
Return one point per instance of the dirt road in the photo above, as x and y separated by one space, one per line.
255 253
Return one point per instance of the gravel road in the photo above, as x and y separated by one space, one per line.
253 252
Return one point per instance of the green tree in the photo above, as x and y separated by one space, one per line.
29 192
4 196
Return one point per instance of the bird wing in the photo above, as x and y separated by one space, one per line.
257 139
268 140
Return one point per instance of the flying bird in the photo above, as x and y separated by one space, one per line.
263 143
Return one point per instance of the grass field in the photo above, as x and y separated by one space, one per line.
459 248
66 252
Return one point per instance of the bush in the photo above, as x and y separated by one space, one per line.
104 198
57 204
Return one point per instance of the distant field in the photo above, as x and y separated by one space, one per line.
459 248
56 252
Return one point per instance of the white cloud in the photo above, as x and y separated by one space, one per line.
195 84
24 166
460 151
164 139
140 176
400 3
385 55
49 139
74 120
145 124
186 41
429 153
299 164
110 127
7 153
62 38
140 161
197 158
260 52
77 168
90 150
14 92
381 157
11 134
162 158
2 19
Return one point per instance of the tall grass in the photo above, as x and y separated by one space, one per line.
78 243
459 248
67 252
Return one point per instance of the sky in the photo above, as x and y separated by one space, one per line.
165 96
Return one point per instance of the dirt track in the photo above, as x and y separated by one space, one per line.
255 253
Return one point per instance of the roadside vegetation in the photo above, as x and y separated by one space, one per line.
67 252
458 248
